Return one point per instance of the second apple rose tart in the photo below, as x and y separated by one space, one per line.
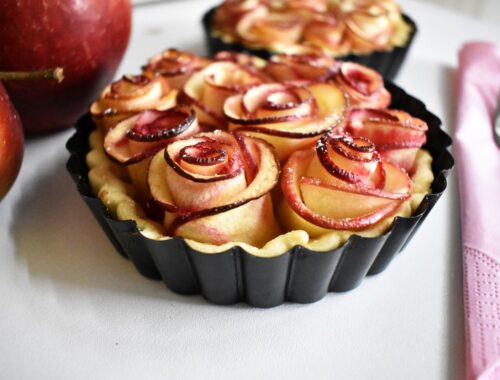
259 181
372 32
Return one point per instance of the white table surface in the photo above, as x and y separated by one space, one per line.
71 307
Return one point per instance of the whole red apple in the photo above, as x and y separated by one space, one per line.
87 38
11 143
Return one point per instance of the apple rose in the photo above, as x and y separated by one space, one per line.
272 30
364 86
289 116
309 6
327 31
369 27
230 12
135 140
246 60
175 66
397 135
214 188
341 184
129 96
208 89
305 64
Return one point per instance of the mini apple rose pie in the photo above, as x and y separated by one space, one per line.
289 116
341 184
175 66
130 95
207 90
211 212
215 188
372 32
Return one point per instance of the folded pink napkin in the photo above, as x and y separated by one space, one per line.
478 167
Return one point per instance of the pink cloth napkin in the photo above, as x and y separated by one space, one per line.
478 167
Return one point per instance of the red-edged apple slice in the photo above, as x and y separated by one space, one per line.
388 128
369 28
306 66
265 179
174 65
261 27
364 86
210 87
351 160
294 185
297 111
228 195
396 134
143 135
251 61
326 31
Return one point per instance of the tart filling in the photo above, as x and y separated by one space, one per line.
344 170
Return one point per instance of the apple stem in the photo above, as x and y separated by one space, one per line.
54 74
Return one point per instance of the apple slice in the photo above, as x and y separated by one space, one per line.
262 27
207 89
229 13
141 136
396 134
308 65
251 61
288 116
205 175
335 204
175 66
369 28
364 86
129 96
351 160
326 31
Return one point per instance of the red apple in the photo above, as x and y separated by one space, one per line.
11 143
87 38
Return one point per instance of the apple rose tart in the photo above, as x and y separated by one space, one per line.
129 96
175 66
307 184
289 116
372 32
207 90
341 184
215 188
